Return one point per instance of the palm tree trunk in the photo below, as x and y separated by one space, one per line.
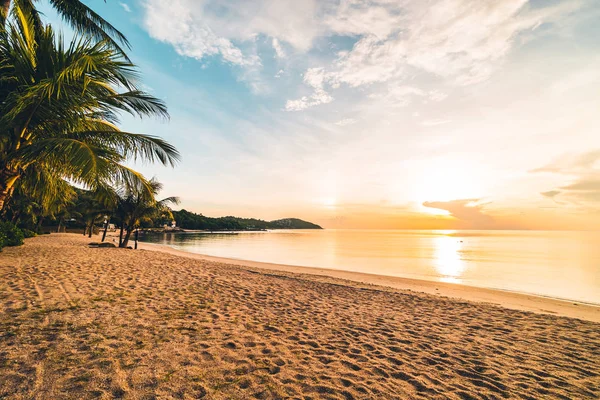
127 236
16 217
39 225
121 235
105 229
60 220
3 197
8 178
91 231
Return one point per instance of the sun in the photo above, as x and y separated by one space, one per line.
329 202
446 182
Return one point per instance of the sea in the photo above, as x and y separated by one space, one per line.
558 264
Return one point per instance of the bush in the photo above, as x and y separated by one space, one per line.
28 234
10 235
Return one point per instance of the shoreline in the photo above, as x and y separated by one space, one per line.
498 297
81 322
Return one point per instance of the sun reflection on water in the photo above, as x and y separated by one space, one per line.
447 259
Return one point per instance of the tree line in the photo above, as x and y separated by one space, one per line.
189 220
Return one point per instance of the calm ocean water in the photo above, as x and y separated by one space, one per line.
564 265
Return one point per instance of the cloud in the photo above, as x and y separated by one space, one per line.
551 193
399 94
583 171
279 52
346 121
179 24
585 185
583 190
203 28
315 78
461 42
125 6
573 164
466 210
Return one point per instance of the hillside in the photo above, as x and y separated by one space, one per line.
293 223
189 220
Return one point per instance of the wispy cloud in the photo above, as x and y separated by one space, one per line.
573 164
466 210
583 172
180 23
279 52
315 78
461 41
125 6
346 121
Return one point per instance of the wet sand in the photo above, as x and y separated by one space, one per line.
79 322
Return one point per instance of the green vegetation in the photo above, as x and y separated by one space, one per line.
81 18
10 235
189 220
138 208
62 156
28 233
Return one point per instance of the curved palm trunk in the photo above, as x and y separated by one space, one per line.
127 237
8 178
38 227
121 235
16 217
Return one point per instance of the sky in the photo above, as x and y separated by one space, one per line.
379 114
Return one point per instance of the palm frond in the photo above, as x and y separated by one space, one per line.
138 102
84 20
59 106
133 145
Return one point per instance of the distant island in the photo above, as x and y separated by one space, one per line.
189 220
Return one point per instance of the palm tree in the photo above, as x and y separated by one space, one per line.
138 206
39 196
91 210
81 18
59 106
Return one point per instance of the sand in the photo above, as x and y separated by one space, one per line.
79 323
513 300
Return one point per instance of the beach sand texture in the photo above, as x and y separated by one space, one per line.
81 323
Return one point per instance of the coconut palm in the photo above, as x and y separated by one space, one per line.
38 197
139 206
59 106
81 18
90 209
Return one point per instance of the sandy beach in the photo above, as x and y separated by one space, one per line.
87 323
